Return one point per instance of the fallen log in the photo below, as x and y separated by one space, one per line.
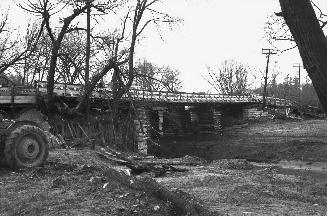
172 162
183 203
138 167
111 158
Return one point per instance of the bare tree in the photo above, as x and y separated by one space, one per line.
46 9
118 46
34 67
278 34
70 64
72 59
123 77
230 78
15 50
153 78
120 50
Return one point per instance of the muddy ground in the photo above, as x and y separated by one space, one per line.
265 168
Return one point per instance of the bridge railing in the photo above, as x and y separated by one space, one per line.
272 101
165 96
23 90
73 90
61 89
155 96
18 90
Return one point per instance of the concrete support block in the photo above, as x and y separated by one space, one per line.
142 128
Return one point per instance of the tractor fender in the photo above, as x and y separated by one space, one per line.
35 116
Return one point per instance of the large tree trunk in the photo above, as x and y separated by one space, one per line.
310 39
50 79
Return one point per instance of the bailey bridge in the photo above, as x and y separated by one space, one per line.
159 113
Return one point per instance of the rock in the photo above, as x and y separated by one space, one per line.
156 207
59 182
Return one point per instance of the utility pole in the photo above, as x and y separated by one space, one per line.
298 65
268 53
88 47
88 44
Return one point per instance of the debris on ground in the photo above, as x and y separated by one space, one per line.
105 181
233 188
80 182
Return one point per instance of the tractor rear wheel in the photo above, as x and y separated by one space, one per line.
26 146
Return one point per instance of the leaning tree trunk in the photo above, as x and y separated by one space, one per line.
301 19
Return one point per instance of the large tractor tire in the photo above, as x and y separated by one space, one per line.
26 146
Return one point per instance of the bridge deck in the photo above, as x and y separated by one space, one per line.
27 95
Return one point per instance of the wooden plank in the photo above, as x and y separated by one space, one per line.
25 99
4 99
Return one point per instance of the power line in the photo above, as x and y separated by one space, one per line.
299 66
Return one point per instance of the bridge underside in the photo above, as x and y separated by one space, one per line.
157 122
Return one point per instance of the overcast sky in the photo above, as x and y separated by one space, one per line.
212 31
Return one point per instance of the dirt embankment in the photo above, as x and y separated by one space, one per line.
85 182
73 183
76 183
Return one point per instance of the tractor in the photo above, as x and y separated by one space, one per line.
23 140
23 144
